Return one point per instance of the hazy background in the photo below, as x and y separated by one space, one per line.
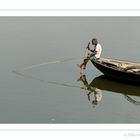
25 41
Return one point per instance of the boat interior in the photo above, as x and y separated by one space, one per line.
126 66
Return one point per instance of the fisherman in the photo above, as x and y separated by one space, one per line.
93 54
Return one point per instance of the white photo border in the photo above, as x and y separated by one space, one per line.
124 130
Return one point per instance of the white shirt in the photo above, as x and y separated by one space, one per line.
98 94
98 50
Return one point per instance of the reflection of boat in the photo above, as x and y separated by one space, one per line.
127 90
118 69
103 83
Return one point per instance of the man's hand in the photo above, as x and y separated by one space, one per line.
88 46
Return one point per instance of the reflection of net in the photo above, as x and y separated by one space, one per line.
44 81
132 100
23 74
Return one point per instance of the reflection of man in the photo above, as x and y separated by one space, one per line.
94 94
95 97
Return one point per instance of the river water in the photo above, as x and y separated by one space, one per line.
39 78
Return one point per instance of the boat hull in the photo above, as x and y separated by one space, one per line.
117 74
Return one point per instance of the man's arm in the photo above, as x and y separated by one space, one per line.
93 51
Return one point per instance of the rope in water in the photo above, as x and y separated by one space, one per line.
50 62
132 100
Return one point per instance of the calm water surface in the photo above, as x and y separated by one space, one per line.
35 87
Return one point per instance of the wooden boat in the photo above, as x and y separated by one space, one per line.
119 69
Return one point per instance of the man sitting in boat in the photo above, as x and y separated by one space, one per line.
92 54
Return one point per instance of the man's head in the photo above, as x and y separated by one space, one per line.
94 41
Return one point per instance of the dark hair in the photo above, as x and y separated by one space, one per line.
94 39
